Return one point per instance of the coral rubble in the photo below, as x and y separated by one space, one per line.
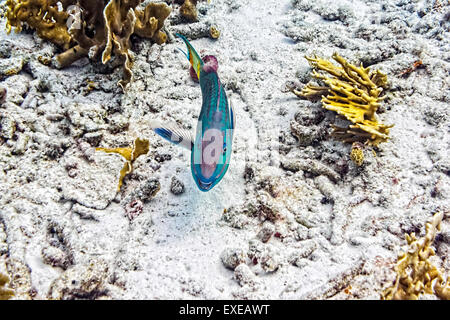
140 147
354 93
415 272
83 281
87 28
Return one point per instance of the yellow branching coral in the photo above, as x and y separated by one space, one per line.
140 147
90 28
415 273
5 293
354 93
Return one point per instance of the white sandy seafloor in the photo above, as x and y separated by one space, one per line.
326 229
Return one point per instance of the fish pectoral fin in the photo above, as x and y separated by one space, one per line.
173 133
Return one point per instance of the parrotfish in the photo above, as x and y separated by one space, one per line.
211 149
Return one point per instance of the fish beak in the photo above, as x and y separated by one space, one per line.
204 186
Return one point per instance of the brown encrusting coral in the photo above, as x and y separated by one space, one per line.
189 10
354 93
140 147
357 153
90 28
43 16
415 272
214 33
5 292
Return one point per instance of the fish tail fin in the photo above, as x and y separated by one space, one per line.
191 55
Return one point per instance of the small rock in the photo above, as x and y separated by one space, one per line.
93 138
244 275
308 247
147 190
86 150
255 250
55 149
232 257
56 257
162 157
269 263
302 232
176 186
11 66
133 209
2 95
81 282
238 221
84 212
134 202
303 73
249 173
21 145
266 232
307 135
7 126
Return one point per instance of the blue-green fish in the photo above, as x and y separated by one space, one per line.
211 149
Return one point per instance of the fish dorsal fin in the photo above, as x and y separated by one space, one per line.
191 55
174 133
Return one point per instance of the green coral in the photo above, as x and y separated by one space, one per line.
90 28
5 292
354 93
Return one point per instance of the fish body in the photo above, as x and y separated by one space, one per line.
211 148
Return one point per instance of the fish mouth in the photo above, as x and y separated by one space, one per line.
204 186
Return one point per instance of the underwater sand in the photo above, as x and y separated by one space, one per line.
340 227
